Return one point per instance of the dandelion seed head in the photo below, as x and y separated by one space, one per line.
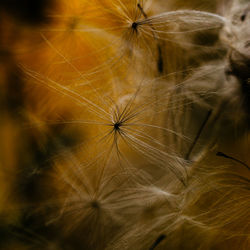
124 174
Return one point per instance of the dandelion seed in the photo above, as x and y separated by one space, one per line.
232 158
158 241
198 134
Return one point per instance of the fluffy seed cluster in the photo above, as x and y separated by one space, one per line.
125 125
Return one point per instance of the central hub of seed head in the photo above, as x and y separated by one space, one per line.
117 126
134 25
95 204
